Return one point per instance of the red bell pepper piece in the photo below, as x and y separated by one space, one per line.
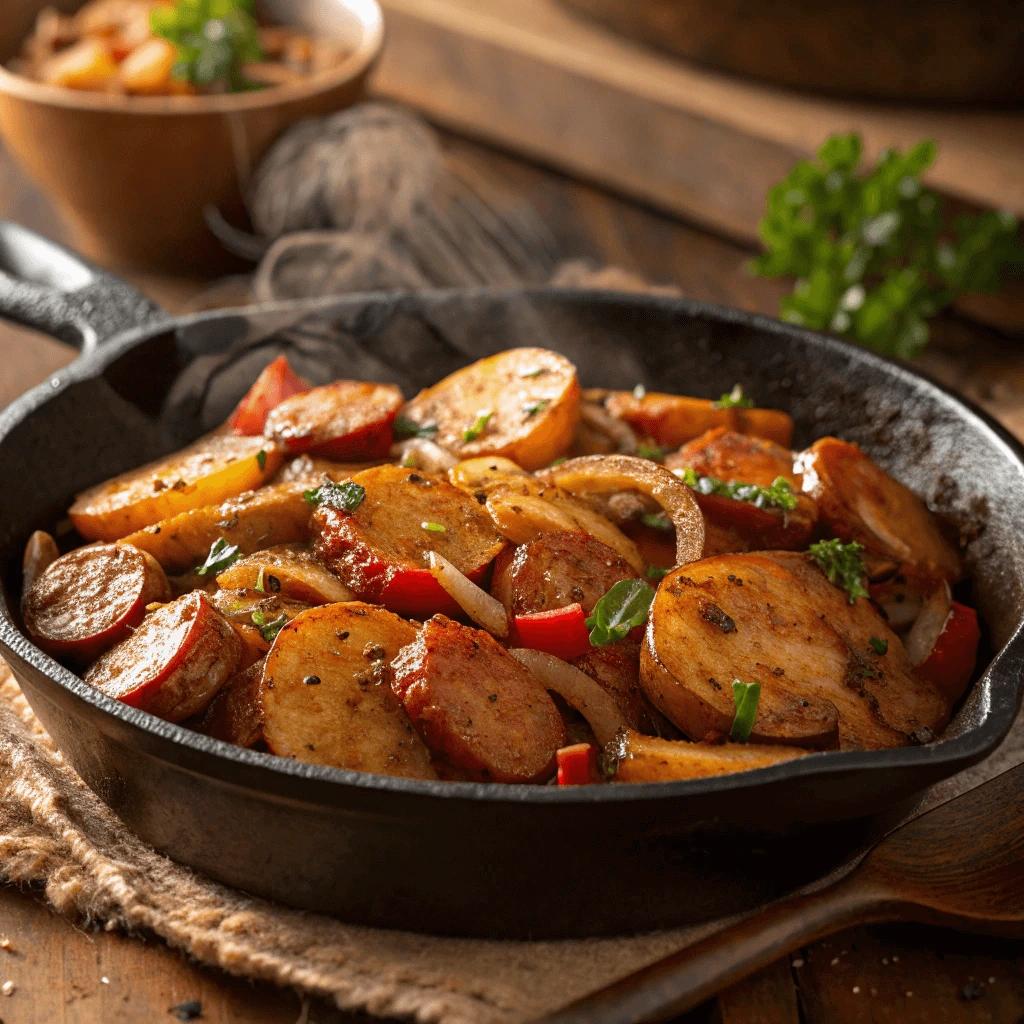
577 765
276 383
415 592
561 631
950 665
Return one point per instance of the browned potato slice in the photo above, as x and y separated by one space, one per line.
290 570
475 704
174 663
235 715
482 475
92 598
523 404
327 696
277 514
672 420
311 471
651 759
858 500
773 618
211 470
733 456
239 608
557 570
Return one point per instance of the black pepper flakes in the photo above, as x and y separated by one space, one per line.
971 991
492 697
481 497
716 617
312 680
273 584
715 683
191 1009
415 478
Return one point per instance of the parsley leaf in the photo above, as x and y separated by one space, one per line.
657 521
879 646
345 497
269 630
779 495
842 564
433 527
221 555
405 427
624 607
649 450
261 459
478 427
532 408
735 399
746 697
214 38
259 582
656 572
873 257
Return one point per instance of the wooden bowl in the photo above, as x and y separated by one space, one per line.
961 51
133 174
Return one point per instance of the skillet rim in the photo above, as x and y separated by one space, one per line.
220 758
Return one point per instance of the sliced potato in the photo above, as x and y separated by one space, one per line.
86 65
327 693
474 703
381 549
346 420
211 470
312 472
859 501
256 618
773 618
290 570
174 663
235 715
86 601
651 759
481 475
276 514
522 404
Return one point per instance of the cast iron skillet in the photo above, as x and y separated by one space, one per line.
463 858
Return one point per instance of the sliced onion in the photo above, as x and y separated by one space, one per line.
486 611
419 453
576 688
600 420
608 474
928 626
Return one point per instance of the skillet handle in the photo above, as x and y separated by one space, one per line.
45 286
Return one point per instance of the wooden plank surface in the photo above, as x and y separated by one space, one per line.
58 970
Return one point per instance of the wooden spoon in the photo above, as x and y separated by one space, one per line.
959 865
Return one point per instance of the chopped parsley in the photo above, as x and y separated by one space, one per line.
533 409
346 497
656 572
261 459
559 462
746 697
779 495
879 646
842 564
735 399
269 630
533 373
434 527
623 608
657 521
221 555
478 427
259 582
405 427
649 450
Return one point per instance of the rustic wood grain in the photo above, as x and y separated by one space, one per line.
767 997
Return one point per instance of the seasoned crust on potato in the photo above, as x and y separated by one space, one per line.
290 570
474 703
773 618
327 695
556 570
210 471
528 398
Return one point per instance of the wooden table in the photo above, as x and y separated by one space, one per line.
901 974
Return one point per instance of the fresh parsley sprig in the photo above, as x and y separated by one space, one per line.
623 608
346 497
842 564
220 556
779 495
269 630
735 399
746 697
405 427
873 256
478 427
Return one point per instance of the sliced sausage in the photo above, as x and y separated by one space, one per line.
616 669
556 570
773 618
381 549
215 468
235 715
474 703
291 570
346 420
91 598
327 695
174 663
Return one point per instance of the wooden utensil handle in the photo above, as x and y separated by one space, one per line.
685 979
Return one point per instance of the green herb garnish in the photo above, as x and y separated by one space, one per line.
405 427
533 373
649 450
259 582
657 521
842 564
534 408
345 497
735 399
779 495
478 427
873 257
214 38
656 572
269 630
221 555
434 527
623 608
261 459
879 646
559 462
745 696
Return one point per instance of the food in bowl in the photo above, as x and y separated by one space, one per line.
169 47
509 579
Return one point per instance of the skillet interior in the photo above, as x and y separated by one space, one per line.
443 857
